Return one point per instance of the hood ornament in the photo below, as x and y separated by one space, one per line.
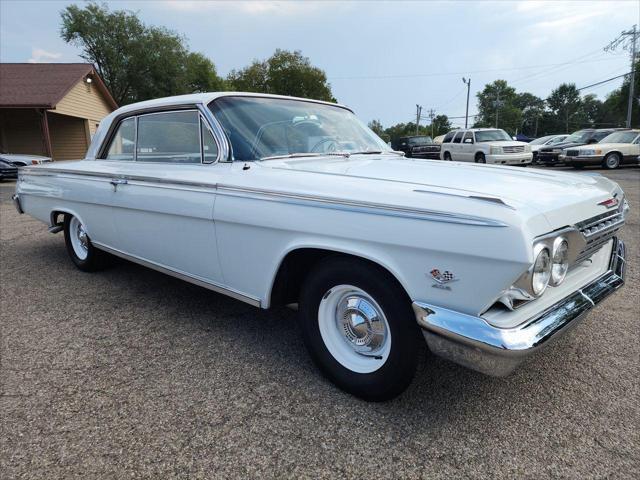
610 202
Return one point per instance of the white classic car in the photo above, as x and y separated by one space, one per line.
276 200
621 147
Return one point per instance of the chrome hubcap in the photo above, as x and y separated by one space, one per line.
354 329
79 239
82 236
361 324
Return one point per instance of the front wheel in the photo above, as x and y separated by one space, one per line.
359 329
79 247
611 161
480 158
447 156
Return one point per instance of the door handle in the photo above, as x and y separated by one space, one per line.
117 181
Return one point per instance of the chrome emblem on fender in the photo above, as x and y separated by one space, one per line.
442 278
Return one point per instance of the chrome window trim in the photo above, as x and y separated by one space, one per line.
210 122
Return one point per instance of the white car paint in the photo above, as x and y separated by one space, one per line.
464 147
229 225
22 160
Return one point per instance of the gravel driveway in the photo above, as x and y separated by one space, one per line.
131 373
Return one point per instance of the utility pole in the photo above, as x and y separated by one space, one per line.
432 115
628 40
466 115
498 104
418 113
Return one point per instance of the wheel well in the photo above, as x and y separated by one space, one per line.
55 217
478 154
298 263
616 152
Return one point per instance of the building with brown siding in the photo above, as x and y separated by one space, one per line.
51 109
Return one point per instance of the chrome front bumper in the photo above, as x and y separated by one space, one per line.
474 343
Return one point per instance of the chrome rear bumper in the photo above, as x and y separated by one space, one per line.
474 343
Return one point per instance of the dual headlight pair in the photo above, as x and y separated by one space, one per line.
550 266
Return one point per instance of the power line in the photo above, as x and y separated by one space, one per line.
607 80
440 74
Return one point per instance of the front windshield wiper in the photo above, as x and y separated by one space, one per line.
309 154
329 154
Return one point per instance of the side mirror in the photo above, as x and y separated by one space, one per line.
468 140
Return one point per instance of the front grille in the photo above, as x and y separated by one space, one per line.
598 230
572 153
514 149
431 148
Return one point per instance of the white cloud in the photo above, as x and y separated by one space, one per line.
39 55
254 7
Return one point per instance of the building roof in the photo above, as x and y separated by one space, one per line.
43 85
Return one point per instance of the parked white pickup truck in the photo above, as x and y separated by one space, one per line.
276 200
485 145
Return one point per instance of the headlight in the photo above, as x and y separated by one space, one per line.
590 152
560 261
495 150
527 148
541 272
556 150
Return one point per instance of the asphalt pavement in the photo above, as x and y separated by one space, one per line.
131 373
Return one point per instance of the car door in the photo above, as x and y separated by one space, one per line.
468 149
456 146
163 204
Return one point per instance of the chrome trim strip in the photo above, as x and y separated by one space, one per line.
357 206
494 200
471 341
292 198
181 275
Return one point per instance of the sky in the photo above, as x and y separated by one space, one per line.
381 58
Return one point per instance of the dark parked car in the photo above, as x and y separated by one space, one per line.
419 146
7 170
549 155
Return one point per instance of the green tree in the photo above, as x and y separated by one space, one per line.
136 61
378 129
441 125
284 73
614 108
565 103
497 107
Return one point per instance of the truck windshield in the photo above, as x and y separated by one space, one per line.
492 136
259 128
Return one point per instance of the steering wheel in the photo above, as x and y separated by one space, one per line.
332 147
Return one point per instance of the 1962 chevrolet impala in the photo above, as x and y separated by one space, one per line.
275 200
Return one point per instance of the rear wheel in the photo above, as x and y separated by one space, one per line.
447 156
611 161
480 158
359 329
83 254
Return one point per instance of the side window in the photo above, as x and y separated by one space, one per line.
600 135
468 136
123 142
447 138
637 140
171 137
209 146
458 137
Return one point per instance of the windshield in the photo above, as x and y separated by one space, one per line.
620 137
267 127
581 136
492 136
419 140
541 140
558 139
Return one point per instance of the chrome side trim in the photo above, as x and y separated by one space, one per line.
356 206
181 275
494 200
292 198
16 203
474 343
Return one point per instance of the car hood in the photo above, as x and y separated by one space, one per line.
563 198
562 146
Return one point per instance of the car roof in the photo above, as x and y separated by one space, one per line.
206 98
